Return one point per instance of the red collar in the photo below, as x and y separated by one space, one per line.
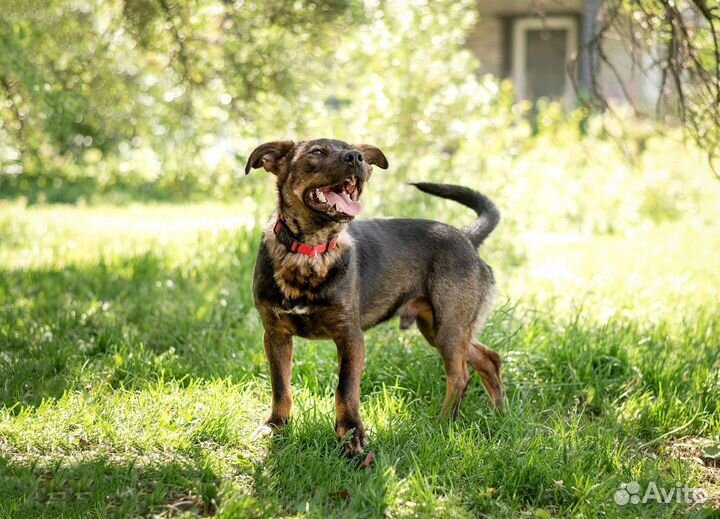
285 236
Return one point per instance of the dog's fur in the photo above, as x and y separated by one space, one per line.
423 271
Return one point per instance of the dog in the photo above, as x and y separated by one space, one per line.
321 275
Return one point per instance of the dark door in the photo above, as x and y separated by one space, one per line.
546 52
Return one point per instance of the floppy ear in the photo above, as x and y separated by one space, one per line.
268 156
372 155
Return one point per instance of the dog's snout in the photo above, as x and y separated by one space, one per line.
354 158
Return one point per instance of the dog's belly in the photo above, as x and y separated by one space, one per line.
396 258
315 321
389 289
387 306
307 324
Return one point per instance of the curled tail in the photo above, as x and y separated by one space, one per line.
488 214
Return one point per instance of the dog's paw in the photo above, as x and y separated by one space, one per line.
352 437
499 403
272 425
277 422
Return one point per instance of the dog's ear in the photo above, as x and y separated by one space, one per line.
268 156
372 155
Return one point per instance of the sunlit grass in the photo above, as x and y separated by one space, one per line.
664 272
133 374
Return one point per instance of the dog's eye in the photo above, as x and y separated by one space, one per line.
318 152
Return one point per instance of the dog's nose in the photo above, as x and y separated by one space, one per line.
354 158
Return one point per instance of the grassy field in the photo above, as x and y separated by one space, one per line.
132 375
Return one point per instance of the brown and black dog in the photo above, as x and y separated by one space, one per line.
321 275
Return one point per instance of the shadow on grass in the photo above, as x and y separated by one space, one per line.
125 322
105 488
304 470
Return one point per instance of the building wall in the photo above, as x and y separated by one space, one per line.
486 42
489 42
487 39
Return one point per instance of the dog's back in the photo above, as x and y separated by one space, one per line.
417 254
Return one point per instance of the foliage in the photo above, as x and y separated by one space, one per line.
100 86
677 44
168 92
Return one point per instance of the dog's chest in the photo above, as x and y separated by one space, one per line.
309 321
296 310
303 292
298 276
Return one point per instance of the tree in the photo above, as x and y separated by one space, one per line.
105 75
683 43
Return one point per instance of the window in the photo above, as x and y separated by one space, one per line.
541 48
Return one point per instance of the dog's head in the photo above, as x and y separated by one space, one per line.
321 179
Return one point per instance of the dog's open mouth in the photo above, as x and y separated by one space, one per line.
340 198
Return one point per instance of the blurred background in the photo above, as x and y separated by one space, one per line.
139 100
582 119
564 111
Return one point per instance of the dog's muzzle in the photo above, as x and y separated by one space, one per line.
341 198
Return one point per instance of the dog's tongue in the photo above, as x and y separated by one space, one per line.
343 203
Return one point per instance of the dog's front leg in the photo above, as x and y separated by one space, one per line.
351 356
279 351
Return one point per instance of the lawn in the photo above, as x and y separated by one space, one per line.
132 376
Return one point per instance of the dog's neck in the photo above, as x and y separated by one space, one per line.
309 231
294 272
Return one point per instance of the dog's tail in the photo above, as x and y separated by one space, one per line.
488 214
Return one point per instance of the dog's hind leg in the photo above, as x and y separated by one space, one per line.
452 346
483 359
453 349
489 366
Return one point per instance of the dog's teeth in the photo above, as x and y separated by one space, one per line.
321 197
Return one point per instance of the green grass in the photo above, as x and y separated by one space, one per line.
132 375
